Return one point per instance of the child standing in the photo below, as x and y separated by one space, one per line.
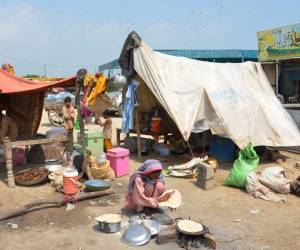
106 123
69 120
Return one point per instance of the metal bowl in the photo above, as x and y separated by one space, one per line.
136 235
135 219
97 185
153 225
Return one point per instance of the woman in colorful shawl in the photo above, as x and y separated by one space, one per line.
146 187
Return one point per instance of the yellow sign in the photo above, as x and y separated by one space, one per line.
279 43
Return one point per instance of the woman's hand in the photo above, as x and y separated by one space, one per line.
165 196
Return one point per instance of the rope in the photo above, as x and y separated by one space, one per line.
191 151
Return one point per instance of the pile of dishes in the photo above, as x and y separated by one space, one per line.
138 233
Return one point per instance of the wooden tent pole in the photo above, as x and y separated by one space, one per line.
138 133
8 160
85 165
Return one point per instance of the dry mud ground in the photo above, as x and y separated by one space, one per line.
275 226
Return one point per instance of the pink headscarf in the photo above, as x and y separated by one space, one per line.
148 167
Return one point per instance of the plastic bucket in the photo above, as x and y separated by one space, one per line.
155 124
70 180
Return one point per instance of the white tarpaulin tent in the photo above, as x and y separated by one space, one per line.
234 100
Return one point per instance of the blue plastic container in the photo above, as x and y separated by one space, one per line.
222 149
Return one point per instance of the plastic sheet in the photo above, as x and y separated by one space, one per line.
234 100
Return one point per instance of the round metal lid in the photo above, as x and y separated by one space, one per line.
136 235
153 225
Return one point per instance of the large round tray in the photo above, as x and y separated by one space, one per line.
43 179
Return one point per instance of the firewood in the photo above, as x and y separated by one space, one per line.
50 203
210 240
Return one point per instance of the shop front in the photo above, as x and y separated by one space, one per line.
279 53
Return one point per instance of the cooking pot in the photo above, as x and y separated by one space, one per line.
53 165
109 223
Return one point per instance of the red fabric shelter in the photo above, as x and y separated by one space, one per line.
11 84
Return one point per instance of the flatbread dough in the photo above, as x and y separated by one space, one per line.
109 218
189 226
174 201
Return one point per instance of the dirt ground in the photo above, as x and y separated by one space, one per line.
226 212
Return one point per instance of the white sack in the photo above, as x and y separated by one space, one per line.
232 99
258 190
273 178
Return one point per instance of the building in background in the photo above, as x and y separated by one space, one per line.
279 53
233 56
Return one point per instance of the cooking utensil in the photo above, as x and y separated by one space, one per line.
153 225
97 185
135 219
136 235
53 165
109 223
32 176
190 232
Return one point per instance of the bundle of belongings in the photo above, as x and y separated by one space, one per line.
95 99
269 184
101 169
186 170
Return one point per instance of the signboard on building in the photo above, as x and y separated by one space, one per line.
279 43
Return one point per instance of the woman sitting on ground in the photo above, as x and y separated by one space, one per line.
146 187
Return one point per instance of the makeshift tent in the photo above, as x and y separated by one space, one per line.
234 100
23 100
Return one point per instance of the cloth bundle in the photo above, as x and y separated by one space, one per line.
270 184
186 170
101 171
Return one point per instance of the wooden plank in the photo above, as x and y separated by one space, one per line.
210 240
38 141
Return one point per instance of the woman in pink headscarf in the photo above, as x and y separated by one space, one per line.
146 187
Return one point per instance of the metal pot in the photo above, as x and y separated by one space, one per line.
107 225
53 165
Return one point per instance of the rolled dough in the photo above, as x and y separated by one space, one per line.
189 226
174 201
109 218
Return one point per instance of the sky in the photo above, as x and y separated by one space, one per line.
60 36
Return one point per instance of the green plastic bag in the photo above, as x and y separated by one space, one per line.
242 167
77 124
